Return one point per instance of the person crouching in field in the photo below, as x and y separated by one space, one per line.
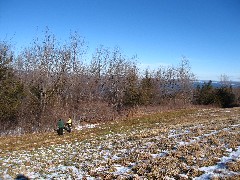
69 124
60 127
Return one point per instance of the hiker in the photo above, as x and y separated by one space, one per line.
60 127
69 124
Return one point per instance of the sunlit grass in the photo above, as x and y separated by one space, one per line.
31 141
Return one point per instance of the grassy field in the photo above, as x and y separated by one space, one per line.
183 144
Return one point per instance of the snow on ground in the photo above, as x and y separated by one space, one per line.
86 126
220 169
192 150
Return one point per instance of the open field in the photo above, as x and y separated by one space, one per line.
184 144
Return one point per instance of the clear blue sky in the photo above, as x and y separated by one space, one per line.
160 32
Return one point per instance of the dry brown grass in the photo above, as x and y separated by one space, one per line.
167 144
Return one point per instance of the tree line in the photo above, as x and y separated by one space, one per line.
224 96
49 80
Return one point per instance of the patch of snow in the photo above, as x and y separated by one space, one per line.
184 176
86 126
220 168
172 133
121 169
162 154
235 125
115 157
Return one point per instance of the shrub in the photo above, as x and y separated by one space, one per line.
205 95
224 97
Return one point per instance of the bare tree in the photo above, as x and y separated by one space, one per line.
185 80
59 82
225 80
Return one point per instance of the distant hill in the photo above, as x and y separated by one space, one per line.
217 84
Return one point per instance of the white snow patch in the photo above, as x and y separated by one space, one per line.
121 169
86 126
220 168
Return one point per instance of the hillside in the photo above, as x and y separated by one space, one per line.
197 143
217 84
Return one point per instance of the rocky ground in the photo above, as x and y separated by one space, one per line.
184 144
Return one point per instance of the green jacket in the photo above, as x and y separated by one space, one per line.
60 124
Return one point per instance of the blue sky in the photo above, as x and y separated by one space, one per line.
160 32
